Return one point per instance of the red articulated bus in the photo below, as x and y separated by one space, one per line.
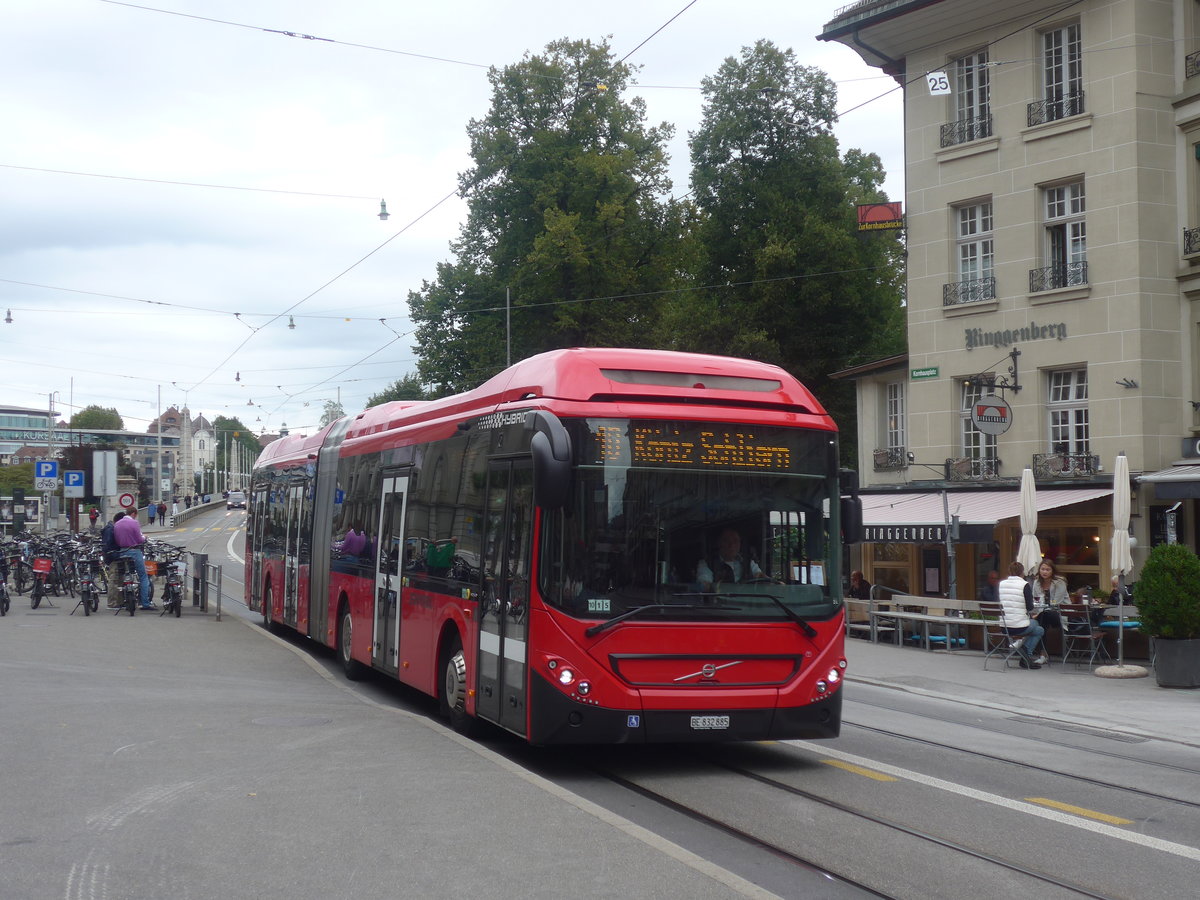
594 546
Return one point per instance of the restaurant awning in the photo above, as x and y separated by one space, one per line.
1180 481
921 517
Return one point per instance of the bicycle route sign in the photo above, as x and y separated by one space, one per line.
45 473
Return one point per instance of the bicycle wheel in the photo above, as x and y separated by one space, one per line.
35 596
95 595
23 577
4 601
85 601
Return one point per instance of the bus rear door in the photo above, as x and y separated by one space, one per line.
258 521
294 513
504 613
385 633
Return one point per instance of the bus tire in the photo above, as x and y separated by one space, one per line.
452 694
352 667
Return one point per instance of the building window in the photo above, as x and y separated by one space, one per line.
972 101
894 415
975 444
201 443
1062 76
975 256
1065 239
1067 405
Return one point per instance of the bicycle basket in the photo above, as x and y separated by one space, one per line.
151 567
42 564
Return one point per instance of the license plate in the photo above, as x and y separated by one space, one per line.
709 723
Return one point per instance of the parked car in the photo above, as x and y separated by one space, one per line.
236 500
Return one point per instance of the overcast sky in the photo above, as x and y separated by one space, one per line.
169 165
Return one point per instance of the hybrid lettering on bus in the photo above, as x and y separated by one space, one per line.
594 546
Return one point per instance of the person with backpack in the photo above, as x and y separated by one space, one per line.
93 516
129 539
110 551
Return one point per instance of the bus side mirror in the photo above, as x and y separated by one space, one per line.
852 520
551 450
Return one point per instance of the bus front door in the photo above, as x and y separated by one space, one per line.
385 634
504 613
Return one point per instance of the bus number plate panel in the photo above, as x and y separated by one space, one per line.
709 723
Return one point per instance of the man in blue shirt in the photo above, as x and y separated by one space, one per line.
129 538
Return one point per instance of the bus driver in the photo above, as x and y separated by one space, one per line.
729 566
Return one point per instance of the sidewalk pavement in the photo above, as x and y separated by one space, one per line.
1135 706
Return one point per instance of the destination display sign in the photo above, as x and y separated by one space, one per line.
692 445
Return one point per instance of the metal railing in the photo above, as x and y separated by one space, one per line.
1054 108
969 291
966 130
1052 466
967 468
1059 275
1191 241
889 458
1191 64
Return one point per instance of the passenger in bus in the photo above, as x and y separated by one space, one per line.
728 567
353 542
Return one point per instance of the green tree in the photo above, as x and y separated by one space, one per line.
18 476
407 388
107 419
569 224
229 432
784 275
331 412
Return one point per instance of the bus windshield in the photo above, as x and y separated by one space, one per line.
730 541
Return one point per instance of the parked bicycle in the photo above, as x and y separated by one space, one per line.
130 585
176 572
4 567
88 566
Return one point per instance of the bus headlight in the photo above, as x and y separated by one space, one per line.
565 676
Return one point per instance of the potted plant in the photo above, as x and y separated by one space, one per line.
1168 605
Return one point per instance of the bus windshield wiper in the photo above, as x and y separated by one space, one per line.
791 613
638 610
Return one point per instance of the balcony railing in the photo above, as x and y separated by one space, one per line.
1191 64
890 458
985 468
966 130
1052 466
1191 241
969 291
1055 108
1060 275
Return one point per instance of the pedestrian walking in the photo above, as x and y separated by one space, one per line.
94 516
151 511
162 513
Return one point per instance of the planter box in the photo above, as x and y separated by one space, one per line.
1177 663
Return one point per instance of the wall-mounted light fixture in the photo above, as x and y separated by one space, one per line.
1127 383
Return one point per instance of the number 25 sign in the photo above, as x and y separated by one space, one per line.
938 83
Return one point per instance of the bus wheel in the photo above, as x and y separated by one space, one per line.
352 667
453 694
268 605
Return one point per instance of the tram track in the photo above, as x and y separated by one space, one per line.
1073 775
1039 880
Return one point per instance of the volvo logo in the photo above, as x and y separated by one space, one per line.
708 671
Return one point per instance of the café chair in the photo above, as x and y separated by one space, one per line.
1081 639
996 641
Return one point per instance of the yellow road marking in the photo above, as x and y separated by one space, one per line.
1080 811
858 770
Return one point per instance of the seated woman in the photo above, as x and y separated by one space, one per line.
1049 592
1016 608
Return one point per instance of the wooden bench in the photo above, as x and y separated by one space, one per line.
952 615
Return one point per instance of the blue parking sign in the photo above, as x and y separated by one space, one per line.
45 468
73 478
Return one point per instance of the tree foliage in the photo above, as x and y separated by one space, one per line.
331 412
568 224
104 418
16 476
228 432
785 275
1168 593
407 388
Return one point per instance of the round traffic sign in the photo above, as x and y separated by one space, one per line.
126 500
